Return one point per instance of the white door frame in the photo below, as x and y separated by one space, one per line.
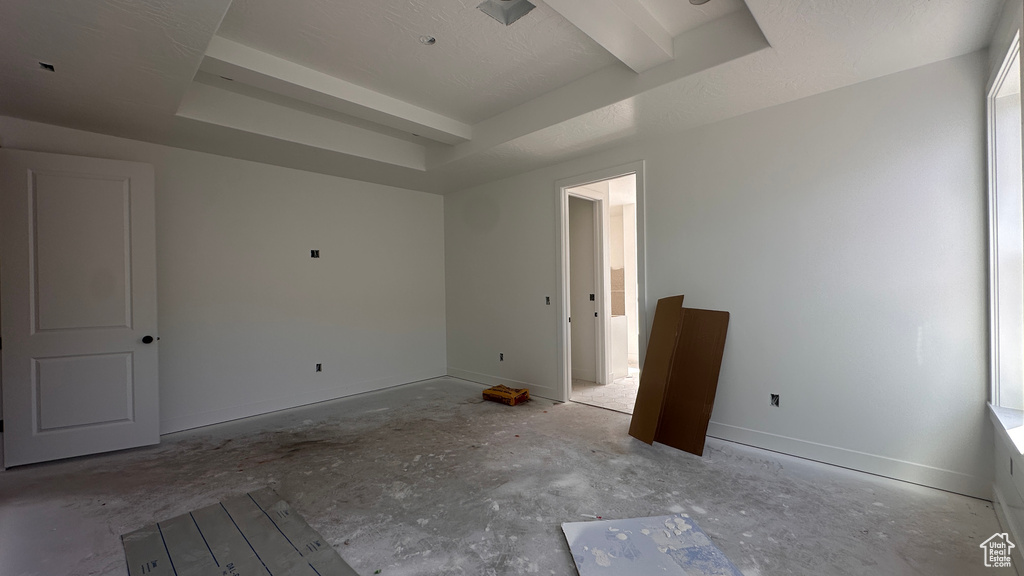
602 284
603 301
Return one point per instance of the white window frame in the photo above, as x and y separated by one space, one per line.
997 355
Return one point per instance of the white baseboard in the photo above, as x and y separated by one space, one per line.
948 480
190 421
1008 524
489 380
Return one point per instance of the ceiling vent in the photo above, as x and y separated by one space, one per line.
506 11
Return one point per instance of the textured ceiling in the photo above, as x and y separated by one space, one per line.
125 67
114 59
817 45
477 68
678 16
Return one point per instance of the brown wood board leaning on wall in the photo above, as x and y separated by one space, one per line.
674 404
657 365
690 395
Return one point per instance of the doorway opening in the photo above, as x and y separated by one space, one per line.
603 325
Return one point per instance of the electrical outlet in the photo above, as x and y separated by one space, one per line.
501 356
314 253
547 300
775 400
319 367
591 297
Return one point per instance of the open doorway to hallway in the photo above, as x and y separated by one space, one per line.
604 327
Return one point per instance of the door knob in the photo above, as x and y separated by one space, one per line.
147 339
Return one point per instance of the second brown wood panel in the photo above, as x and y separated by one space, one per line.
654 378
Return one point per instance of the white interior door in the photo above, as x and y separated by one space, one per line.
77 303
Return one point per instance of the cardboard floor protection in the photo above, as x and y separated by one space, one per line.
250 535
668 545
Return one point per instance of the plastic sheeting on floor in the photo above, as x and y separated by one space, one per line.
257 533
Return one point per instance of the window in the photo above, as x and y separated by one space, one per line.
1006 228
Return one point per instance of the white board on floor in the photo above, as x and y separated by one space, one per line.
668 545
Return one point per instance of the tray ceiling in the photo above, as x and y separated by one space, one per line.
346 87
476 69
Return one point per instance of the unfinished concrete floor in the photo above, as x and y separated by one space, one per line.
619 395
428 479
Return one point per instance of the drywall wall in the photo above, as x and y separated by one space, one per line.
582 276
244 313
845 233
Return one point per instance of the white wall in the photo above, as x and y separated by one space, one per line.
844 232
244 312
582 275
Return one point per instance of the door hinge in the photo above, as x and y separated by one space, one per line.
1 425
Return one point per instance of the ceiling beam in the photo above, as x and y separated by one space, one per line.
703 48
623 27
240 63
212 105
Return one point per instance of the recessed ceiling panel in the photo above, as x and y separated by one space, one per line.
475 69
678 16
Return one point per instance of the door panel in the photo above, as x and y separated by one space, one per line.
77 296
64 401
80 227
